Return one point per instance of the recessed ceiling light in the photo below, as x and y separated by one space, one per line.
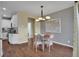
4 15
4 8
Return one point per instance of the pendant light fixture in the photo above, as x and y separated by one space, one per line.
42 18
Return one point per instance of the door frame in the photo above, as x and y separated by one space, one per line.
76 30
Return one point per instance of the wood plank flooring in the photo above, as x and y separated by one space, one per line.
22 50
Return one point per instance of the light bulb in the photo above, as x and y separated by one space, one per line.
47 17
4 8
37 20
4 15
43 19
40 18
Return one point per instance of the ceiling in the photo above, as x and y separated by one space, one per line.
33 7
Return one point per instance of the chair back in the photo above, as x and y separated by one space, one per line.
48 36
38 37
51 36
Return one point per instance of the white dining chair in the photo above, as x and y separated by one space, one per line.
49 41
38 41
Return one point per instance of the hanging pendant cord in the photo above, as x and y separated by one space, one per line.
41 11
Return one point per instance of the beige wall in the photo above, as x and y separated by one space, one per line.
37 27
22 26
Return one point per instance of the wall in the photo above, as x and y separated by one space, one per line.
22 26
6 23
67 18
37 27
0 21
0 27
42 27
1 53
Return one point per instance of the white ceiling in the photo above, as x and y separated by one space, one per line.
33 7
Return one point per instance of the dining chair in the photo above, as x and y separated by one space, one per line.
48 40
38 41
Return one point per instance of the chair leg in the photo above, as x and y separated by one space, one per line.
33 46
36 48
28 44
53 51
52 47
43 47
49 48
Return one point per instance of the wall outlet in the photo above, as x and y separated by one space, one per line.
68 41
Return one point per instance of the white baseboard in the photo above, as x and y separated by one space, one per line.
63 44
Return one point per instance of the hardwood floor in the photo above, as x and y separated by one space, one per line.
22 50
